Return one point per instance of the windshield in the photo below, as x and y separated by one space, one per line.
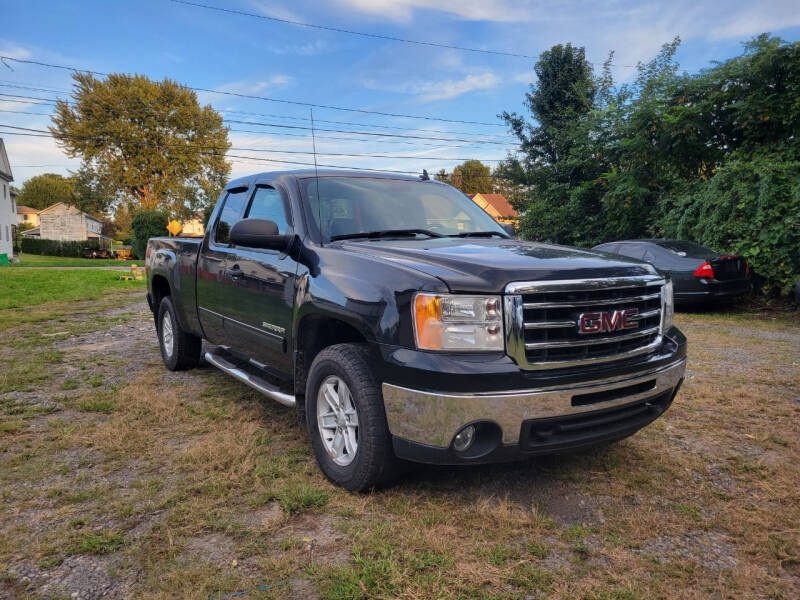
353 205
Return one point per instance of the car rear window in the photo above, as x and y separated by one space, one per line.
689 249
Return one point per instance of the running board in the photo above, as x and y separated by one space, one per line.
254 381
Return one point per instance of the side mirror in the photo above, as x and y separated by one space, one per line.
509 229
259 233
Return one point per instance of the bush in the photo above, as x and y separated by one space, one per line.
751 207
30 245
147 224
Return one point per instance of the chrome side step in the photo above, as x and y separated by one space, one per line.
254 381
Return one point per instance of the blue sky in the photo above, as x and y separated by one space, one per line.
208 49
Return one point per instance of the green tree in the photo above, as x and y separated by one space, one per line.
471 177
90 194
149 143
712 157
145 225
557 151
47 189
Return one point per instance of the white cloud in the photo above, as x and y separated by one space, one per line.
429 91
310 49
23 152
13 50
756 18
472 10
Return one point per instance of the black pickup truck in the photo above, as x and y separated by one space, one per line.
405 324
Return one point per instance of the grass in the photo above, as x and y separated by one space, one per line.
198 487
36 260
27 288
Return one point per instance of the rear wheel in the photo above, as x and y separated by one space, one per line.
346 420
179 349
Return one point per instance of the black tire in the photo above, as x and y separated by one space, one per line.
185 346
374 464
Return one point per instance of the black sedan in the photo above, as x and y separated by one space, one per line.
699 274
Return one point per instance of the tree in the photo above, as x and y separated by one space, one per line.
471 177
147 224
712 157
90 193
557 150
47 189
149 143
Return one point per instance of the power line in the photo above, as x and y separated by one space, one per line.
4 59
280 133
6 83
351 32
277 151
284 126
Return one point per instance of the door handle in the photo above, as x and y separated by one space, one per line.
234 273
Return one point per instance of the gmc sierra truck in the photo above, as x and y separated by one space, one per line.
405 324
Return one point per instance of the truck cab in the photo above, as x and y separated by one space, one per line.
404 324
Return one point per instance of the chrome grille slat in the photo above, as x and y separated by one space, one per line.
592 341
642 298
550 324
542 320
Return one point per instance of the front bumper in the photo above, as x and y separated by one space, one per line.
519 423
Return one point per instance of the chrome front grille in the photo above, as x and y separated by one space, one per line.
543 320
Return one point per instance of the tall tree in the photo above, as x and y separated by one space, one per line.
150 143
471 177
556 148
47 189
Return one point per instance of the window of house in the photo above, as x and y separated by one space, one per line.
267 203
232 210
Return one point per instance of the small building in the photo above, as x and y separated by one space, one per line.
65 223
8 208
193 227
497 206
27 215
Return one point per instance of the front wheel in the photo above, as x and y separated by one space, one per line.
346 420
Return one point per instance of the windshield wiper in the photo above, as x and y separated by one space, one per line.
386 233
478 234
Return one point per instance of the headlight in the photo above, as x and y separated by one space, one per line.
451 322
669 306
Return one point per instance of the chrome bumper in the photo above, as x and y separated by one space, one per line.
433 418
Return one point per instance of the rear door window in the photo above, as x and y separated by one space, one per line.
231 214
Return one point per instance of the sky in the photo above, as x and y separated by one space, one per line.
235 53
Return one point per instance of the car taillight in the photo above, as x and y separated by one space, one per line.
746 267
705 270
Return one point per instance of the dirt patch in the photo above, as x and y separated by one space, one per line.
264 518
214 548
709 549
321 540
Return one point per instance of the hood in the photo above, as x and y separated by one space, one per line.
487 265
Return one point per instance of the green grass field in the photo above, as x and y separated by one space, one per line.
22 288
35 260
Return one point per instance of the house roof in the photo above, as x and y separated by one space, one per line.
52 206
26 210
499 203
5 166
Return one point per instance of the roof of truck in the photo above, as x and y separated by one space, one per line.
306 173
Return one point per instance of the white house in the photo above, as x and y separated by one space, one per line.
66 223
8 209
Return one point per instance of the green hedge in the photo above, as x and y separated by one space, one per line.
32 245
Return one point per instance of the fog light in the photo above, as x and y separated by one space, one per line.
464 438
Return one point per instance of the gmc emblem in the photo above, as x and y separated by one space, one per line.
611 320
